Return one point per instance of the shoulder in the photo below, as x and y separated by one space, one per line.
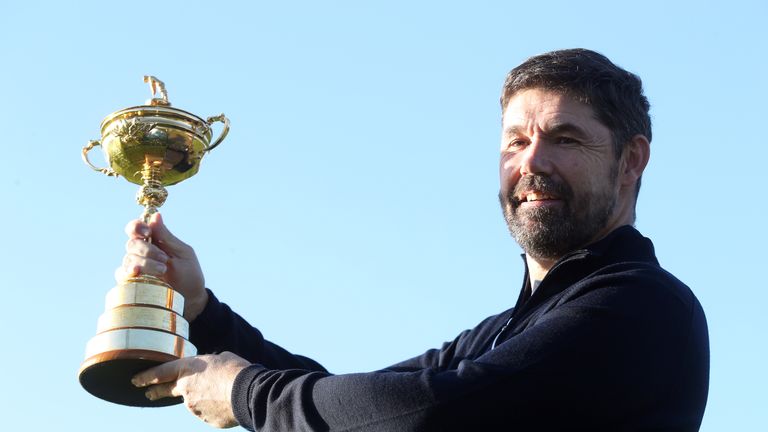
638 293
637 278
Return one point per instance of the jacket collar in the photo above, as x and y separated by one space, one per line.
623 244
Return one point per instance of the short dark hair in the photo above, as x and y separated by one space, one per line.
615 95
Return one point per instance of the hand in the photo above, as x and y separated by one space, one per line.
205 382
166 257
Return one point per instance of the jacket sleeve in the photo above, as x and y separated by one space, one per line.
594 356
218 329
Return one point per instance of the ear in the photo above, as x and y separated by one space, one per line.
634 158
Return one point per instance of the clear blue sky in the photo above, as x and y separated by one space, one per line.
352 212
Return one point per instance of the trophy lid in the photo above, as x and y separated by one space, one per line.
173 140
159 105
168 140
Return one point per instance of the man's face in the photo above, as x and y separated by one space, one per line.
558 173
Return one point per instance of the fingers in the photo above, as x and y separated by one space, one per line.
123 273
149 258
142 258
160 234
164 390
138 229
166 240
164 373
143 265
168 379
141 248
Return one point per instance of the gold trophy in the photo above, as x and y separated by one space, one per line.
152 145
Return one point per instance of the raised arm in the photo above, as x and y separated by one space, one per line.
214 327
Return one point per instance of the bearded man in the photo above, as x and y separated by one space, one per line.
601 337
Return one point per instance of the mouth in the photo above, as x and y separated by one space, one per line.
539 192
532 196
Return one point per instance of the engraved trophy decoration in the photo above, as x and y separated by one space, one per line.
152 145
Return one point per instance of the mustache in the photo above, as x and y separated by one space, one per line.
539 183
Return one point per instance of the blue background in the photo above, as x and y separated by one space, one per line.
352 212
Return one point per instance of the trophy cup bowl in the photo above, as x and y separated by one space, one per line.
153 145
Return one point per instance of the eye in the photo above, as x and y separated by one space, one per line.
516 144
566 140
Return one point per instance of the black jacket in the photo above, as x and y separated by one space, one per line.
608 341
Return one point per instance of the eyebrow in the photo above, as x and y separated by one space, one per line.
552 129
566 128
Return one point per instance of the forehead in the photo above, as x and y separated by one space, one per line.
543 109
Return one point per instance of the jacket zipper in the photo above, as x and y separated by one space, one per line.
573 255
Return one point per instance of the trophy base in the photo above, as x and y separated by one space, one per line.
108 376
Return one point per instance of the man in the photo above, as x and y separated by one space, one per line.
601 337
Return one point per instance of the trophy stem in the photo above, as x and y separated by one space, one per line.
152 193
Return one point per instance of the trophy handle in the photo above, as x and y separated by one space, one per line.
89 147
224 132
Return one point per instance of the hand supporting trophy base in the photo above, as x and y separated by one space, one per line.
152 145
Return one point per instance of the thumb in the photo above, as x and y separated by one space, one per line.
165 240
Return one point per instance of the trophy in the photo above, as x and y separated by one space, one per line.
152 145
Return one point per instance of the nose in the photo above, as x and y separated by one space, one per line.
536 158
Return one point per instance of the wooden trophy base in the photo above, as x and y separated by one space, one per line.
142 327
108 376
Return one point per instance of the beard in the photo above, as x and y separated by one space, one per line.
549 232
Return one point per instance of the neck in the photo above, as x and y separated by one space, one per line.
537 269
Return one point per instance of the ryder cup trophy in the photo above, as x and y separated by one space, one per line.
152 145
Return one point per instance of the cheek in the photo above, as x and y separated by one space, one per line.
579 173
592 182
509 174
